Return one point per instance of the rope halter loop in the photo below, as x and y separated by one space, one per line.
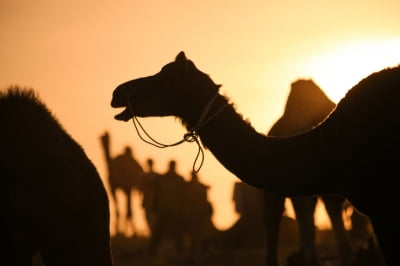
190 136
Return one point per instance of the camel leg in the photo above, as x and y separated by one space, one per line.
334 208
129 211
388 231
116 207
274 206
304 208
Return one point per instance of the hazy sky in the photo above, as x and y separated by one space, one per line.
74 53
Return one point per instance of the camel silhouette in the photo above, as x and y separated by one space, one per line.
306 106
351 153
53 201
123 173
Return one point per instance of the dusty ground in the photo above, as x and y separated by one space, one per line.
132 252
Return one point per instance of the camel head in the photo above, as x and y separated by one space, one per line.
171 92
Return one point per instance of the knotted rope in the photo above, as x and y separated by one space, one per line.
190 136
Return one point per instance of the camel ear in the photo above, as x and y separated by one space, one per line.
180 57
183 62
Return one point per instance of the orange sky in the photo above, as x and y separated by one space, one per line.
74 53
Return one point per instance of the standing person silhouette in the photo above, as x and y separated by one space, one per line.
197 213
147 185
169 199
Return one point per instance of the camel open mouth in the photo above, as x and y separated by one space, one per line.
121 102
125 115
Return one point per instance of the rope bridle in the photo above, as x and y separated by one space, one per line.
190 136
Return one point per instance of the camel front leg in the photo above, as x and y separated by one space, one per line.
274 207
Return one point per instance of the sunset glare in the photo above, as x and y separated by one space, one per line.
343 66
74 53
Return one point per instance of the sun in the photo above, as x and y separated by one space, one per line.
340 68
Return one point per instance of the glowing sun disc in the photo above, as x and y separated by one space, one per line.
338 70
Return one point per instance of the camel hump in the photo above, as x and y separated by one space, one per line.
306 96
306 106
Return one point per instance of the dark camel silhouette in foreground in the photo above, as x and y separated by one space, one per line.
53 201
123 174
351 153
306 106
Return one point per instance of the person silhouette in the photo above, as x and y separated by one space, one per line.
169 198
198 211
249 228
147 186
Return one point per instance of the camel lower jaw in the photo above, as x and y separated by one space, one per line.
125 115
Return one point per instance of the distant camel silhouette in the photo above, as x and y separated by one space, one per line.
306 106
351 153
52 199
123 174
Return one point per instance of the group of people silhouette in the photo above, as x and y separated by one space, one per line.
177 212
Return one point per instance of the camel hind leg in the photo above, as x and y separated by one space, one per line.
304 208
129 211
334 208
113 192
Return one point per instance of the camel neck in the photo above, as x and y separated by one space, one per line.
206 115
239 147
